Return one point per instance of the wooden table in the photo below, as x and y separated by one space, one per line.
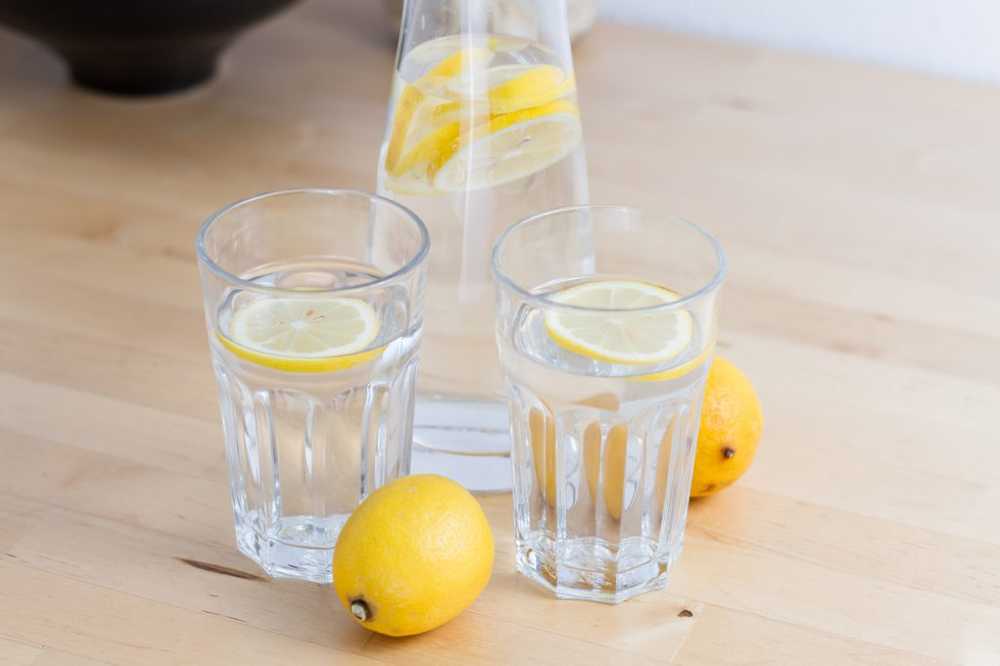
858 206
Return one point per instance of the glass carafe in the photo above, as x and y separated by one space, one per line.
483 130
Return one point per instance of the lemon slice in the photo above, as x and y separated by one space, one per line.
434 83
678 370
304 334
517 87
509 147
433 116
415 170
434 137
409 100
509 88
620 336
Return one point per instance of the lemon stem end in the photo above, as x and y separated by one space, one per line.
360 610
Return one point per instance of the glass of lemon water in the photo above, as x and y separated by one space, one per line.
313 300
606 325
483 130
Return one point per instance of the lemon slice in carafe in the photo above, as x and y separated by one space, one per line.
465 125
509 147
517 87
423 96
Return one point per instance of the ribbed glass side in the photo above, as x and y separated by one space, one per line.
304 451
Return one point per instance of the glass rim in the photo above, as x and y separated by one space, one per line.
507 281
236 280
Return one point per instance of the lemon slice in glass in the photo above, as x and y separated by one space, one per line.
509 147
678 370
620 335
304 334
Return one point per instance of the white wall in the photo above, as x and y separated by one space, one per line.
953 37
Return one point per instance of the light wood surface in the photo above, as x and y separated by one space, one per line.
858 207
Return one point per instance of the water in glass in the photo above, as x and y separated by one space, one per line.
312 299
605 360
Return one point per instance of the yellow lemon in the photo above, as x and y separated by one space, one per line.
731 423
413 556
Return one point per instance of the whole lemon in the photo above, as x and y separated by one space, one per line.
731 423
413 555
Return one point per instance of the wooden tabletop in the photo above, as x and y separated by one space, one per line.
858 206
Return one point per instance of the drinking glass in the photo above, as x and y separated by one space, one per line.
313 304
606 325
483 130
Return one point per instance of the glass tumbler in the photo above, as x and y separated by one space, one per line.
606 325
313 300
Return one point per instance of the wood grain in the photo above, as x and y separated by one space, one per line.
857 206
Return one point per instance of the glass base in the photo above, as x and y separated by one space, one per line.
464 439
588 569
300 549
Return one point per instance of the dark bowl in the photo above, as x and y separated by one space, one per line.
137 47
